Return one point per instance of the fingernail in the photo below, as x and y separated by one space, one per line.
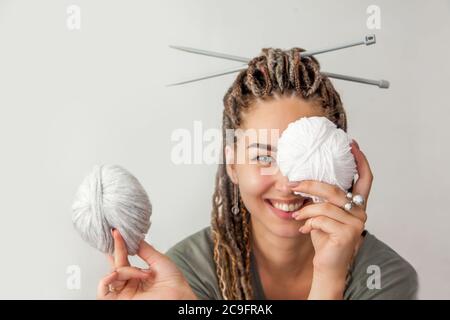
293 184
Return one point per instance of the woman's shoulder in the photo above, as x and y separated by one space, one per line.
194 257
379 272
199 242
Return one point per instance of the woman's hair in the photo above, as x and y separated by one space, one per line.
275 72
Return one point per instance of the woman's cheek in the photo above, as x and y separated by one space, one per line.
252 184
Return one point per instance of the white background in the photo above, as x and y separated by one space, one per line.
72 99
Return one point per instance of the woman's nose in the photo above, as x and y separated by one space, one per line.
282 184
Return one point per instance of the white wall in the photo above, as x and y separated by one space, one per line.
71 99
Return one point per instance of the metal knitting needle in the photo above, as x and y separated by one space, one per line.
383 84
210 75
211 53
368 40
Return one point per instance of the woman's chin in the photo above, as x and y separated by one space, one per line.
286 231
284 228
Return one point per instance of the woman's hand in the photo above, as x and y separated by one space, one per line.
162 281
335 233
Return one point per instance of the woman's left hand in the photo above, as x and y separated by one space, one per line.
335 232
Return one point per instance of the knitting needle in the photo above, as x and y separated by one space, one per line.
368 40
208 76
383 84
211 53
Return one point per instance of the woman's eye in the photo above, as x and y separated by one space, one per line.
265 159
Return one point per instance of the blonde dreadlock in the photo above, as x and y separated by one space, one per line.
273 72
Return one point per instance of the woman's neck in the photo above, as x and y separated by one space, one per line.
281 257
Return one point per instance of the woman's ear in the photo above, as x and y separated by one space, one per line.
230 163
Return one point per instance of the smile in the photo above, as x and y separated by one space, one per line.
292 206
285 208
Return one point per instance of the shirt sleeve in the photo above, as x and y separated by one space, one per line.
194 258
384 275
191 276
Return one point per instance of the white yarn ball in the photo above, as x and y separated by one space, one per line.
111 197
313 148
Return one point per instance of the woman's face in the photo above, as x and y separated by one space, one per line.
264 190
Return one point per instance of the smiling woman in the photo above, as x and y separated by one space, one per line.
266 241
280 245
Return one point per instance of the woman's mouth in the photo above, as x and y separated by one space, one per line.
285 208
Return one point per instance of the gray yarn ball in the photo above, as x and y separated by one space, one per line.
111 197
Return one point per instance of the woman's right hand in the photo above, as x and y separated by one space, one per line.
162 281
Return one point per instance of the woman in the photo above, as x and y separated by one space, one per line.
265 242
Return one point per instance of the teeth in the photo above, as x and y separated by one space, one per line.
287 207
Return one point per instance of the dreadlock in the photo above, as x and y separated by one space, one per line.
275 71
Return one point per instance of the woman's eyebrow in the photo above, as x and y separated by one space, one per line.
262 146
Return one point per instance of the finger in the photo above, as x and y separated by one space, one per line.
323 190
116 284
331 211
120 250
103 286
130 289
149 253
329 193
125 277
128 273
365 176
323 224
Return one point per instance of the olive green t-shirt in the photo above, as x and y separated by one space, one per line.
377 271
